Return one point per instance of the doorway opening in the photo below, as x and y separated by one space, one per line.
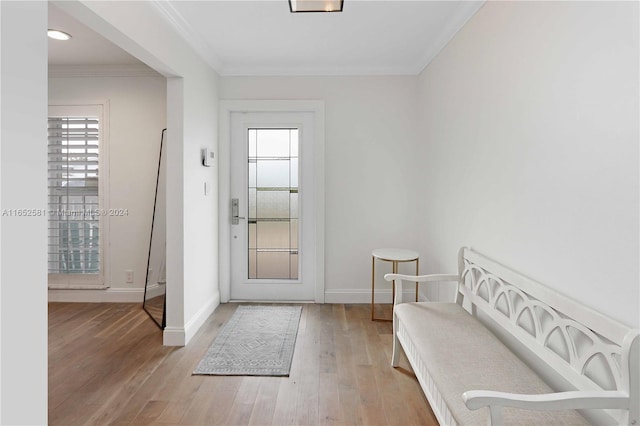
272 237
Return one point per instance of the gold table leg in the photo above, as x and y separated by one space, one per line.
394 269
373 278
417 273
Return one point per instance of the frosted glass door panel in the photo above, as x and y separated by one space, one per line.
293 229
293 264
253 201
273 204
294 172
252 174
273 235
272 265
273 143
253 230
293 206
274 173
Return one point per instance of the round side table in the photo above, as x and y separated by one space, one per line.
395 256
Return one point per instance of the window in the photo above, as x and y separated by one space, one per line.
273 203
75 234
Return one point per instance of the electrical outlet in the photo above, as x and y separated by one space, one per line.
129 275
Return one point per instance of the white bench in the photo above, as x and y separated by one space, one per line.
528 353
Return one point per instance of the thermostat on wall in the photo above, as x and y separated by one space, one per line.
207 157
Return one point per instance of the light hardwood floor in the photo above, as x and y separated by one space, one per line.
107 365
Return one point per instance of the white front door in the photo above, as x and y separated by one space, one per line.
272 206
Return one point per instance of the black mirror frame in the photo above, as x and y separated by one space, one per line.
162 324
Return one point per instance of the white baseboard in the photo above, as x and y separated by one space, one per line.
180 336
193 325
109 295
173 336
155 290
364 296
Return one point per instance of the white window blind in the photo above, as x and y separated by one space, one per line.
74 219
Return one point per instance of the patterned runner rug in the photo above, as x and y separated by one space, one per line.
257 341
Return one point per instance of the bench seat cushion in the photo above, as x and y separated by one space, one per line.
461 354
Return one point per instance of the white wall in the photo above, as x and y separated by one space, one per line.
530 147
202 294
192 99
137 115
370 168
23 246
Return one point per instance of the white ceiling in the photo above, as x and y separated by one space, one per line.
86 47
261 37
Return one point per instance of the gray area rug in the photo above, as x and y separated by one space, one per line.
257 341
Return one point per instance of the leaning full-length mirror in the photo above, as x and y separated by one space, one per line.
155 286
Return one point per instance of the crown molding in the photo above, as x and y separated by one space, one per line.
188 33
311 72
133 70
464 12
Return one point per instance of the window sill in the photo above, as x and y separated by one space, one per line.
77 287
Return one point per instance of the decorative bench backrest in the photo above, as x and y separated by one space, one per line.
590 351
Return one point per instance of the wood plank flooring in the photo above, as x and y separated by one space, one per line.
107 366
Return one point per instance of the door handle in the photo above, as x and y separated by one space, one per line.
235 211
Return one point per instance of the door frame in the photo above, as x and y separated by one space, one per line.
224 182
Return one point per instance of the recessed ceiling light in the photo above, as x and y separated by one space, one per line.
58 35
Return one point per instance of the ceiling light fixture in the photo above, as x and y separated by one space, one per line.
315 5
58 35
